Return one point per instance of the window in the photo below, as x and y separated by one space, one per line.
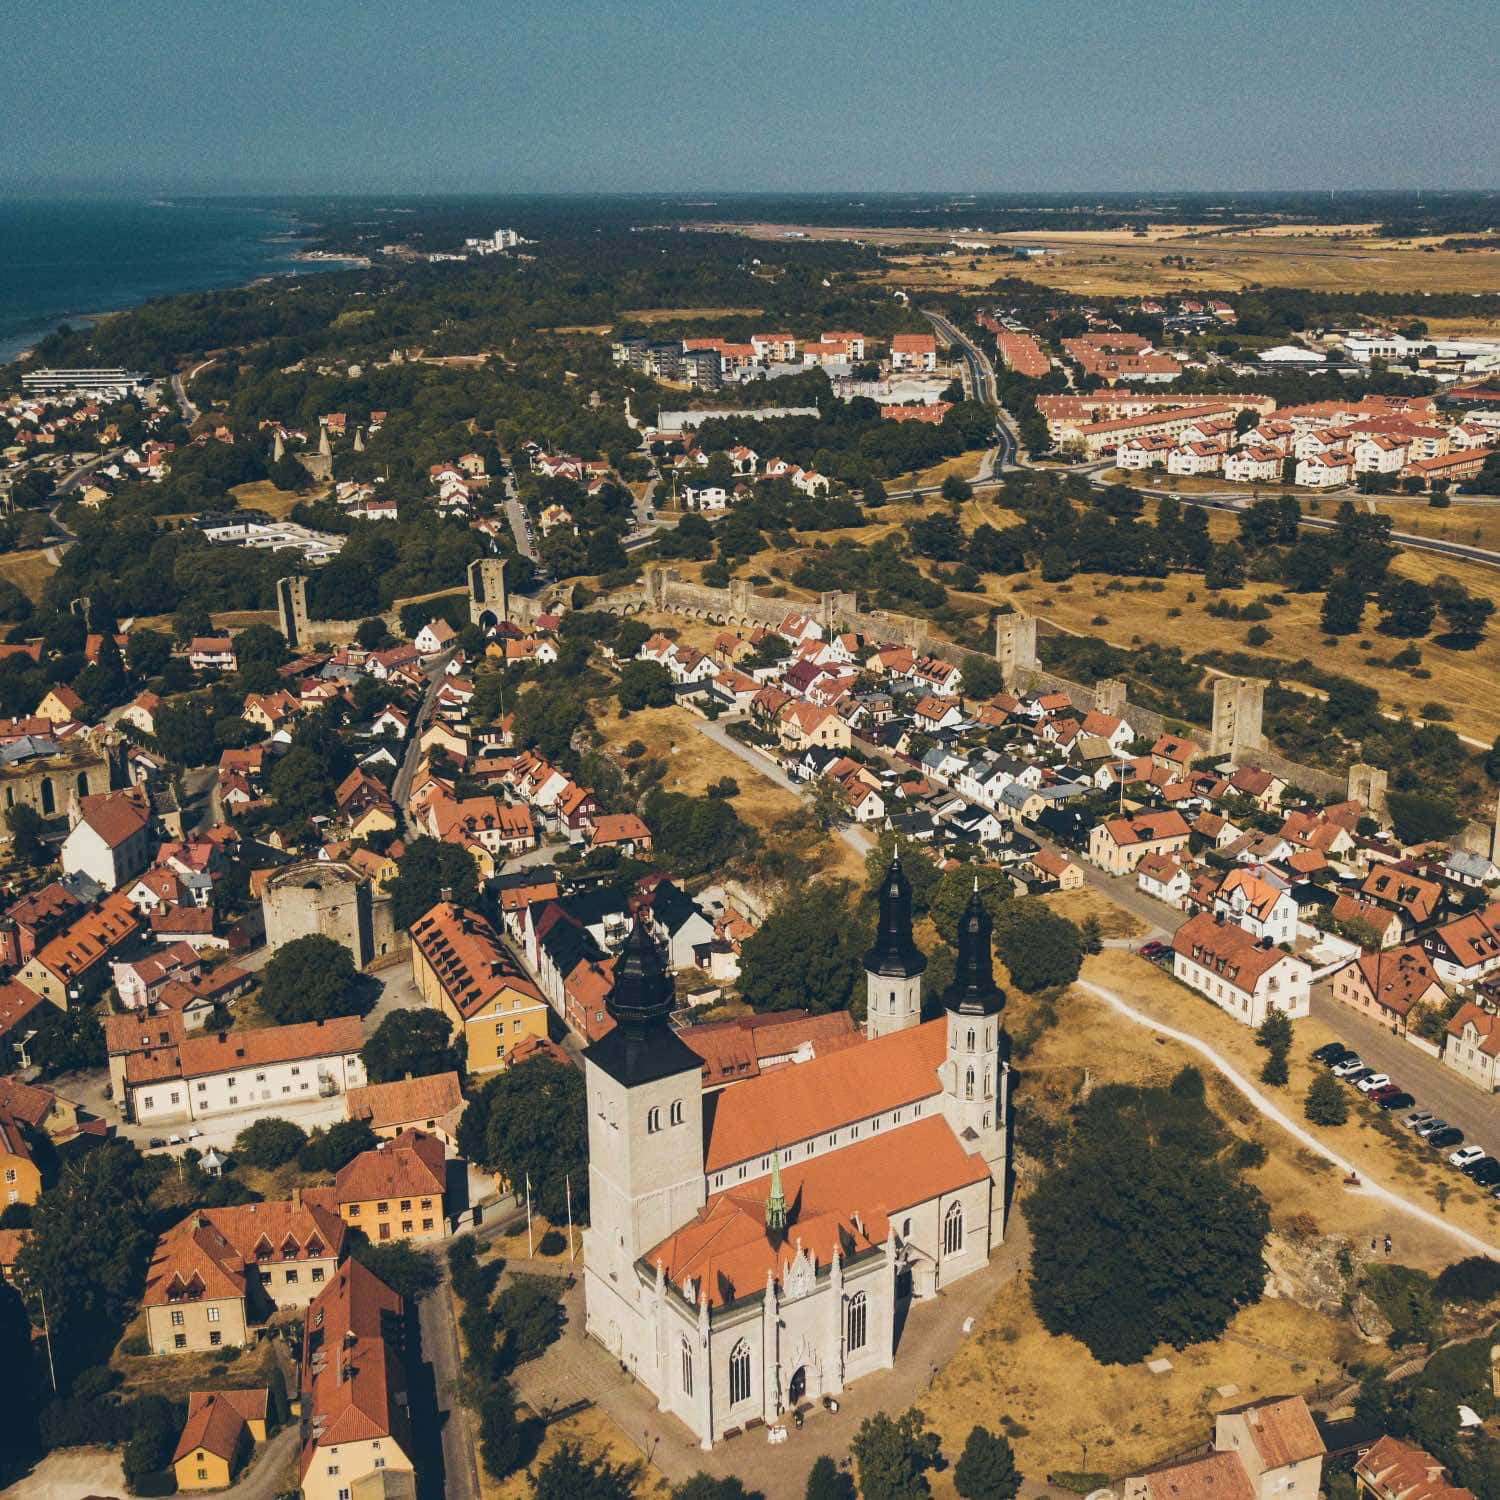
216 1338
969 1084
739 1373
971 1039
406 1205
677 1111
295 1072
10 1174
427 1203
176 1320
179 1341
427 1224
354 1210
202 1087
856 1323
291 1278
317 1274
953 1230
213 1315
653 1120
382 1208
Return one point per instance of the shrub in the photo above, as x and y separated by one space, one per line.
270 1142
1476 1279
552 1243
136 1345
162 1483
1326 1102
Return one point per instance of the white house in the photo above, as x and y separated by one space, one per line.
1244 977
1257 465
1264 910
110 842
1322 471
1162 876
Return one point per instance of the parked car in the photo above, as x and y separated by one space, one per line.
1418 1118
1372 1081
1485 1173
1466 1154
1396 1100
1358 1074
1350 1064
174 1140
1343 1055
1431 1126
156 1143
1330 1052
1449 1135
1385 1089
1154 951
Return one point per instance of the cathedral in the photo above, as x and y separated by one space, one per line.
755 1248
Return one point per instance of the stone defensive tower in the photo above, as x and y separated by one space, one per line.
1015 645
1239 703
489 602
291 611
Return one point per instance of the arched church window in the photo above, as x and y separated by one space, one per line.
739 1373
677 1111
858 1315
971 1039
653 1119
687 1368
969 1084
953 1230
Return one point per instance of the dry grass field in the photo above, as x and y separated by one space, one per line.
1078 906
596 1434
29 571
261 494
674 314
1477 524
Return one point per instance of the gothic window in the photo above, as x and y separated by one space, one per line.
49 797
953 1230
677 1111
986 1083
971 1039
857 1318
687 1368
653 1120
739 1373
969 1084
986 1120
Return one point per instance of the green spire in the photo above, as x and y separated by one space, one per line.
776 1200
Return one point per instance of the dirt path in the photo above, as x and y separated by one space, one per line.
1471 1242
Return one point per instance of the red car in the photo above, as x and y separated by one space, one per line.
1154 951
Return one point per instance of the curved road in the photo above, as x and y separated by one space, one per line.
1471 1242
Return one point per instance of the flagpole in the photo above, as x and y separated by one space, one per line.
568 1188
528 1216
47 1330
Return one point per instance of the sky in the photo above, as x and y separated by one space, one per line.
774 96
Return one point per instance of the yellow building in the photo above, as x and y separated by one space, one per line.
395 1192
461 968
20 1177
221 1429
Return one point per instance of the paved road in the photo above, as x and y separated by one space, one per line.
440 1349
515 513
1471 1243
402 783
1434 1086
185 405
273 1471
853 835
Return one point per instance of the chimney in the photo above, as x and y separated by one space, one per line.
445 895
296 1198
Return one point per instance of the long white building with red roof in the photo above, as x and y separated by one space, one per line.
752 1249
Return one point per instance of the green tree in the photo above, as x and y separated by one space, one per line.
894 1456
644 684
986 1469
1226 567
829 809
25 824
707 1487
693 834
1039 947
258 651
301 785
956 489
1407 608
826 1481
1179 1252
410 1043
269 1142
529 1316
1343 606
147 652
185 732
503 1441
90 1241
1418 817
399 1264
951 895
155 1424
806 949
328 1150
309 979
536 1128
18 1412
424 871
567 1474
67 1040
1467 615
1326 1102
1275 1035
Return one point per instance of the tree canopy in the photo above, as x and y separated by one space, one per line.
415 1042
806 953
311 978
529 1122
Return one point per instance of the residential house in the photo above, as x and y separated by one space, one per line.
1174 754
1412 897
1392 1469
219 1272
356 1410
1466 949
211 653
623 831
221 1429
461 968
1053 865
396 1190
110 838
1265 908
1165 878
73 965
1389 983
433 1103
1473 1045
913 351
1243 976
1119 844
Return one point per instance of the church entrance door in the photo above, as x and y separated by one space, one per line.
798 1388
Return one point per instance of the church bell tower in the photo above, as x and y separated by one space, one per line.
894 964
976 1075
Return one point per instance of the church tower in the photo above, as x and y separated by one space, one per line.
894 964
645 1119
976 1075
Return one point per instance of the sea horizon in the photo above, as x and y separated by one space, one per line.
72 260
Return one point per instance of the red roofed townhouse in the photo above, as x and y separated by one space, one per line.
221 1429
743 1257
1452 467
1389 984
1264 907
395 1190
433 1103
1165 878
1119 844
211 653
110 838
1466 949
914 351
356 1410
1396 1470
802 725
221 1272
1472 1046
73 965
1243 976
1175 754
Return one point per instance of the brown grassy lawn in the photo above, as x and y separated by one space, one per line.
693 761
1085 902
674 314
261 494
1476 525
965 464
596 1433
29 571
174 1375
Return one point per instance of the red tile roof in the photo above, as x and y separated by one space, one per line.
411 1166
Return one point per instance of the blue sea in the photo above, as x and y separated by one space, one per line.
62 260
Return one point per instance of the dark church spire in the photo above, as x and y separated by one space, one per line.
893 952
973 991
642 1046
